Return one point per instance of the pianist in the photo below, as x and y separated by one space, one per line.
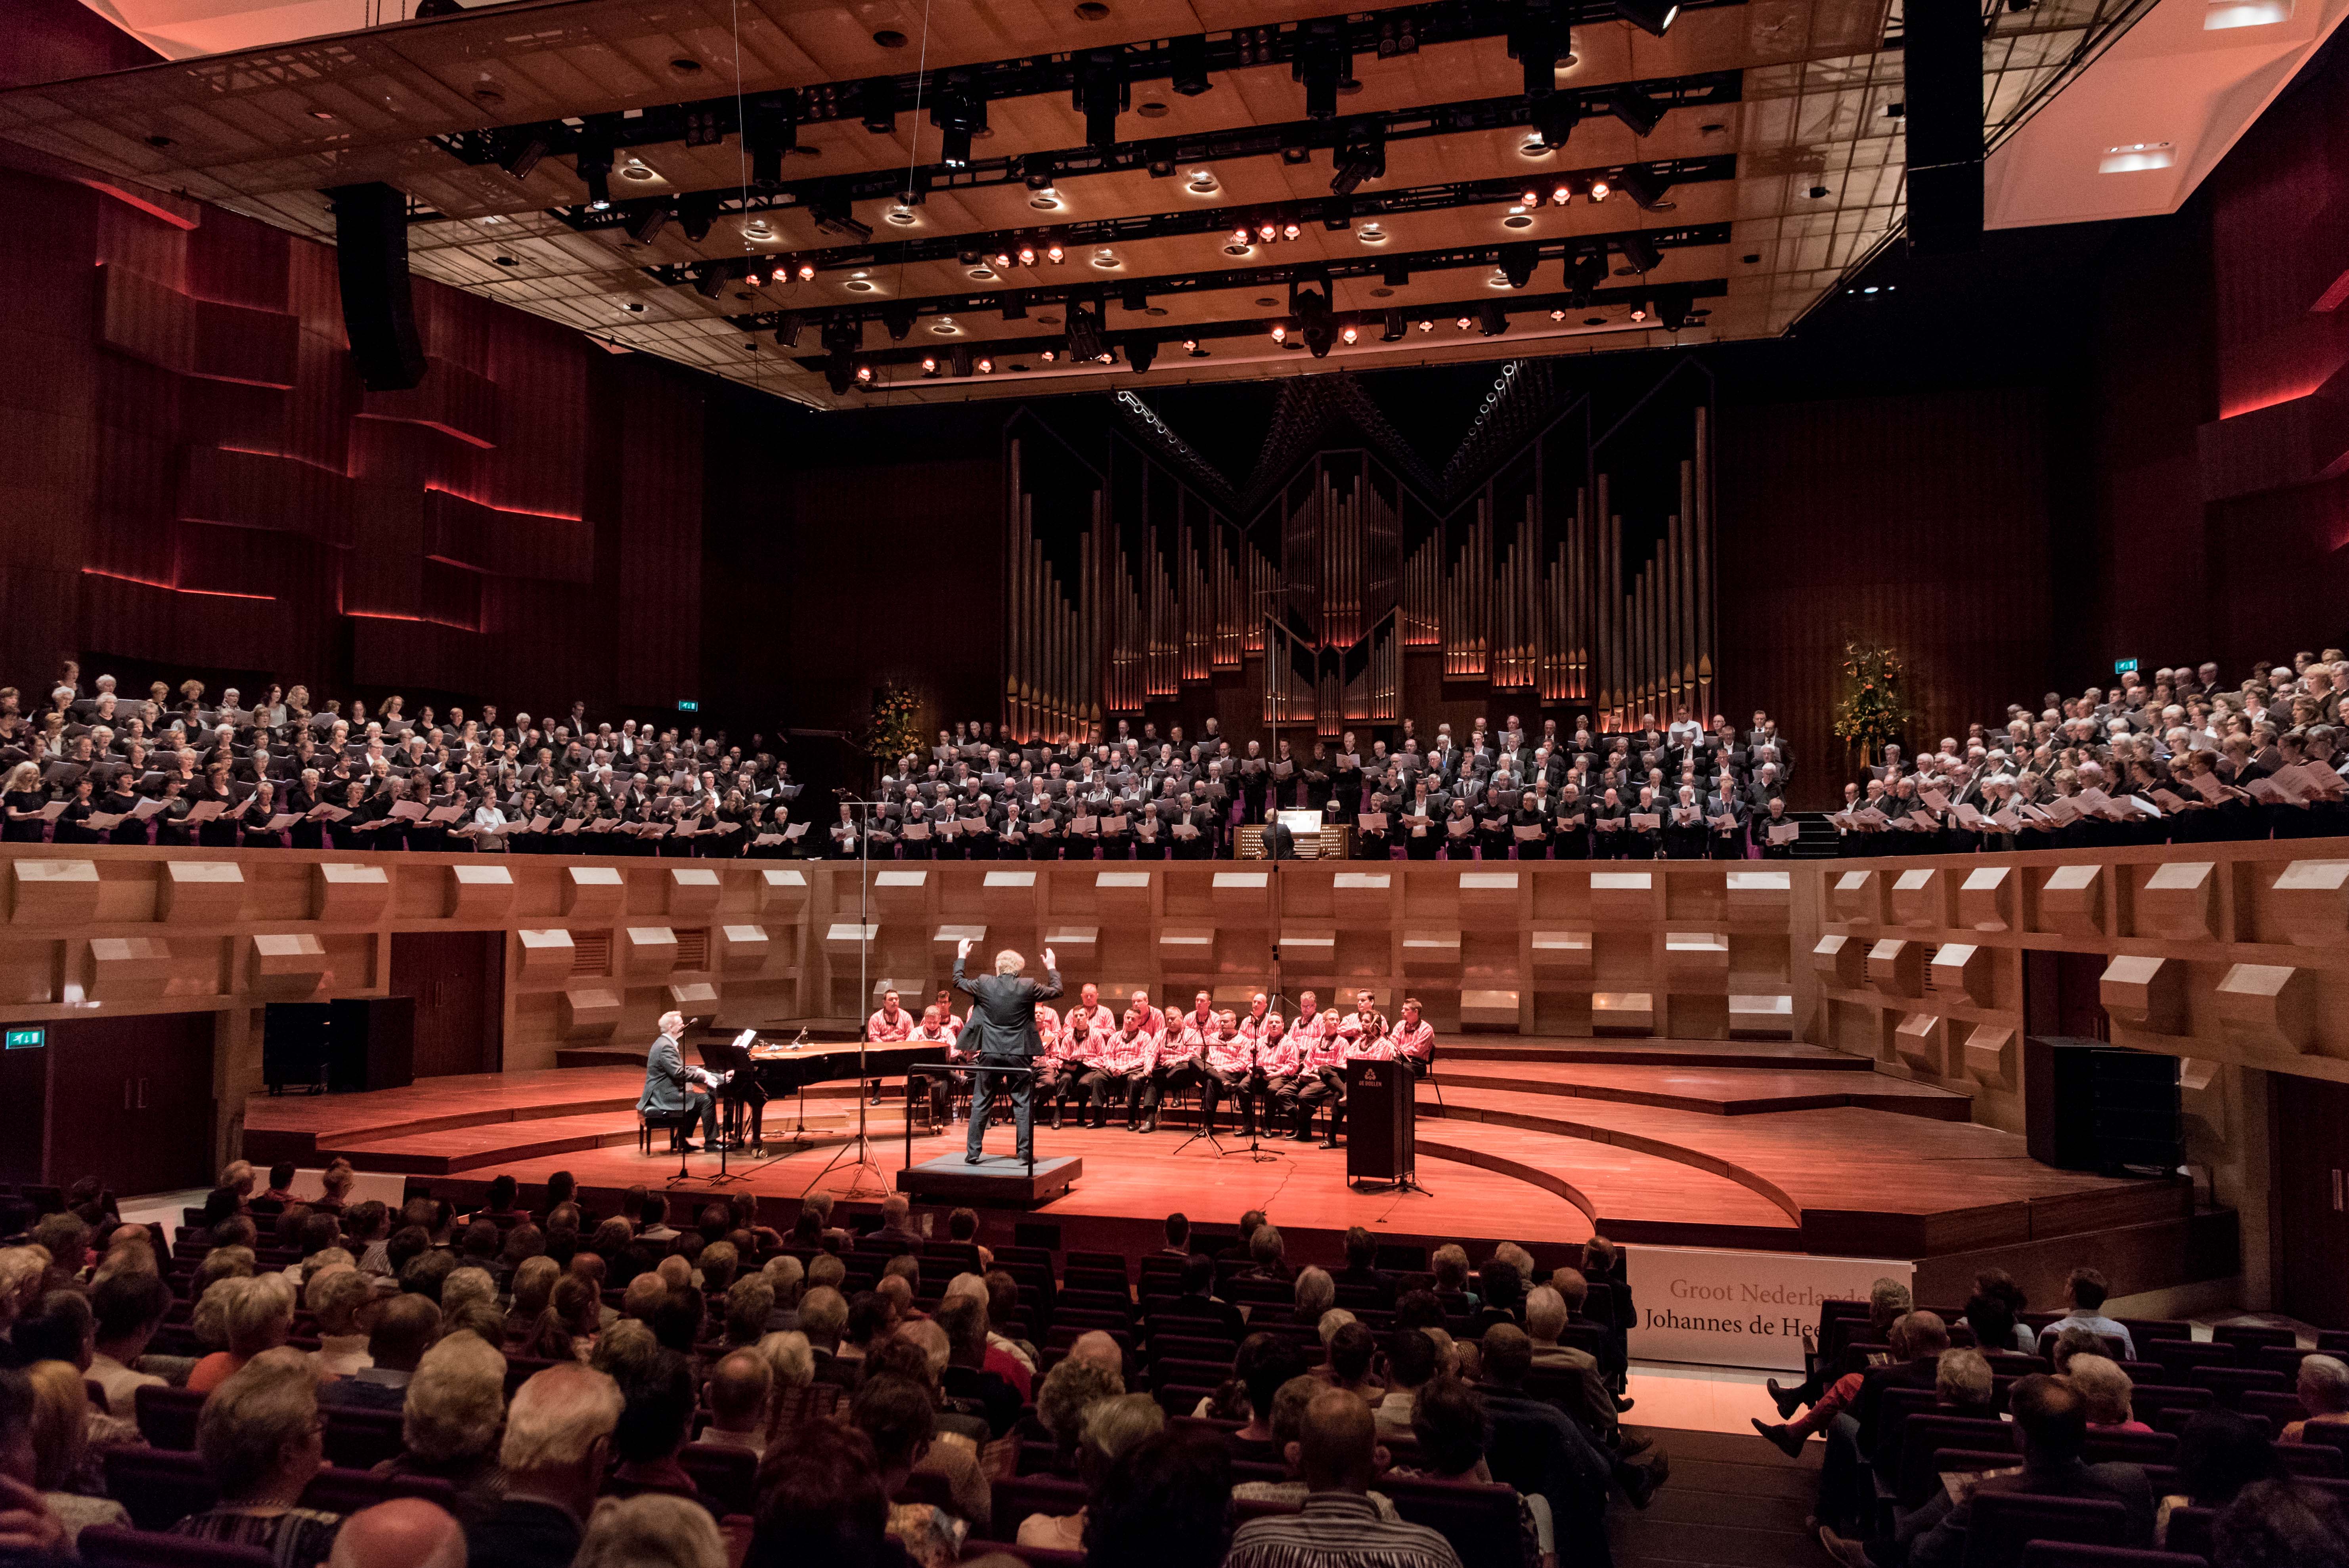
676 1096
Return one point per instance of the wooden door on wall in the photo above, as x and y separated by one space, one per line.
2311 1200
458 978
130 1101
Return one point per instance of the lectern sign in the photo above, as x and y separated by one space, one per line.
1723 1308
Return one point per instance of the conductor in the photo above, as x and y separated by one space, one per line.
1002 1034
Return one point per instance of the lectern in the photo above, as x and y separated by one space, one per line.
1380 1102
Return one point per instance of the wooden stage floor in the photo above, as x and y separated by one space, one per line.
1768 1144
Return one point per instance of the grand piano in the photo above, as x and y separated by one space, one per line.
783 1066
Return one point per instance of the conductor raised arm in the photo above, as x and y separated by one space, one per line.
1002 1034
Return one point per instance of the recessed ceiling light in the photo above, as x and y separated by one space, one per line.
903 216
1516 221
1594 321
944 327
1534 147
890 39
857 285
1091 11
1235 249
506 260
1499 280
1046 201
2226 13
1153 109
1106 260
1154 310
2136 157
758 231
982 274
634 307
1382 293
159 142
635 171
1203 183
1267 303
1048 320
1372 234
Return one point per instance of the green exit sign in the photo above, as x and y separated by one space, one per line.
2124 667
689 707
28 1039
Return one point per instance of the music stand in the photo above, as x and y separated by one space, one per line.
861 1144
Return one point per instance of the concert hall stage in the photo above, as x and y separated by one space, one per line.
1771 1145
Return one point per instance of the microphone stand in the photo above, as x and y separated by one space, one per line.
860 1145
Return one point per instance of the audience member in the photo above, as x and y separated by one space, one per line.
1337 1525
261 1442
405 1533
650 1532
2323 1389
557 1439
405 1328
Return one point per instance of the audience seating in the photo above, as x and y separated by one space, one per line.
2082 1554
1480 1520
728 1477
2228 1385
339 1491
2001 1522
1016 1498
108 1546
160 1487
166 1416
1922 1441
362 1437
2132 1448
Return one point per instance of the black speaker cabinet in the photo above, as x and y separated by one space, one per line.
2089 1106
371 262
359 1043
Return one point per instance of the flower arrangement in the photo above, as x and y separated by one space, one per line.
1871 712
894 727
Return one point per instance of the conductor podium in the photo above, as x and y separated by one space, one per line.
1381 1101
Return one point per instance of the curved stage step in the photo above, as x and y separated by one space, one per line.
1718 1091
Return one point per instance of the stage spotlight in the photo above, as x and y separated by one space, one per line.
1635 108
986 367
1491 319
1394 328
958 111
1532 44
1014 306
1349 334
1673 302
1101 92
1639 310
594 164
1654 17
959 361
1315 323
898 318
1191 346
806 272
773 129
1322 61
705 282
696 212
1280 332
1530 198
1140 351
786 329
929 365
1084 333
1641 253
877 103
1426 326
1268 231
1054 254
864 375
1362 156
1555 119
1186 59
1561 194
523 151
1600 189
841 341
1242 234
1395 275
1290 231
1645 187
1587 274
1517 262
1000 261
1027 255
1464 323
647 223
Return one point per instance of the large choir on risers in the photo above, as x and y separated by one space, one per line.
182 767
2174 759
1095 1060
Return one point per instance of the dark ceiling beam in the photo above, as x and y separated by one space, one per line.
1169 339
1333 211
1086 291
701 121
834 194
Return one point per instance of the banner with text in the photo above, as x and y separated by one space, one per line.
1720 1308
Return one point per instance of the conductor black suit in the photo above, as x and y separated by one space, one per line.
1002 1034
